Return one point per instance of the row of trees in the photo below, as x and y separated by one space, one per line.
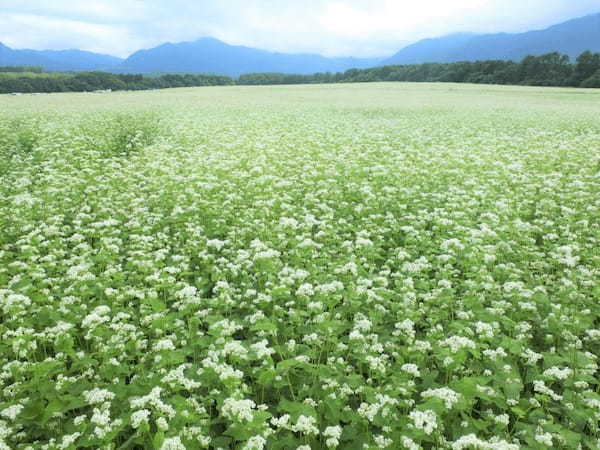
95 81
21 69
552 69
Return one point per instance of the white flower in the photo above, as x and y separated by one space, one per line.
172 443
540 386
457 343
281 422
559 374
382 441
215 243
332 435
471 441
495 354
162 424
153 398
364 242
424 420
98 315
502 419
413 369
363 324
305 425
407 327
240 410
544 438
484 329
11 412
449 397
164 344
255 443
410 444
68 440
139 417
235 348
79 420
531 357
305 290
96 396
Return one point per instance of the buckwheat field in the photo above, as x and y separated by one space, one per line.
401 266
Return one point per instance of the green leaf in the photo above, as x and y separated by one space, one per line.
158 439
55 406
296 409
33 409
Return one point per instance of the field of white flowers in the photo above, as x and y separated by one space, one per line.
313 267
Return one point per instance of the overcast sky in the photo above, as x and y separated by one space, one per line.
329 27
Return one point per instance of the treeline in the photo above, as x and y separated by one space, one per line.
552 69
101 81
255 79
21 69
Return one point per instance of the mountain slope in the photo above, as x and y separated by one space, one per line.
572 37
209 55
57 60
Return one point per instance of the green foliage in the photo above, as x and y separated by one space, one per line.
121 133
593 81
18 138
552 69
21 69
131 132
15 82
587 65
381 265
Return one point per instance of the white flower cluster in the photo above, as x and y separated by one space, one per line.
153 399
332 436
292 267
97 395
457 343
239 410
471 441
447 395
424 420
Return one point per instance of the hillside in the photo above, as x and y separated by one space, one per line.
209 55
572 38
57 60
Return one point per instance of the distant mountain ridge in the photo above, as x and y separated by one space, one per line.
210 55
57 60
572 38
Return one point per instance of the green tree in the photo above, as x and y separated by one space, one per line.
551 69
587 65
593 81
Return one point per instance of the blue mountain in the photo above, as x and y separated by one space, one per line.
57 60
209 55
572 38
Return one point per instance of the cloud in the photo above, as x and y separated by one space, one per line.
330 27
42 33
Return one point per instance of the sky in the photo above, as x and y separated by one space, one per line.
362 28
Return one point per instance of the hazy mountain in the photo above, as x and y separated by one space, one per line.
209 55
572 37
56 60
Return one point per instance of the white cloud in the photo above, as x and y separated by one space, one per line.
58 33
330 27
